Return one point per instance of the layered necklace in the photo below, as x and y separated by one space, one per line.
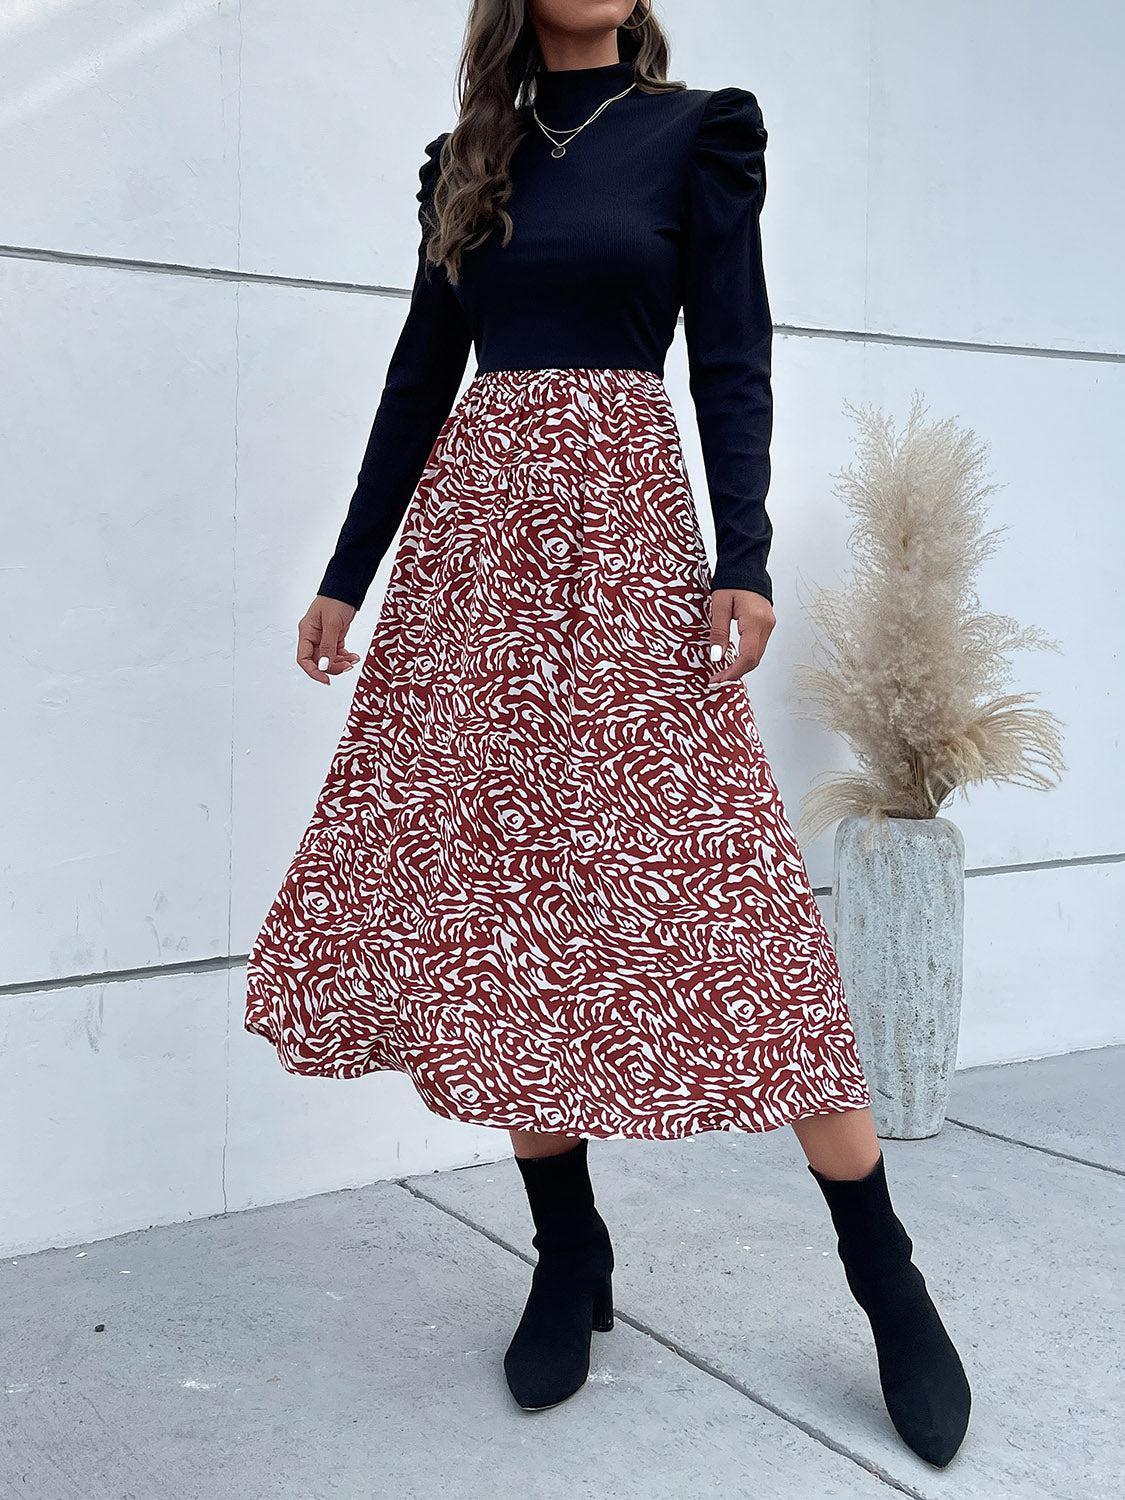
561 139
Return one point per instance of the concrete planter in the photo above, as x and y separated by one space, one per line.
899 940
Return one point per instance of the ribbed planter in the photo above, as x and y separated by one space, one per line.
899 940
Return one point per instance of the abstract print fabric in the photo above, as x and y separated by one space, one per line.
549 875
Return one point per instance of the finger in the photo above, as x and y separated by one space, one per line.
744 662
339 658
309 651
750 650
343 661
755 626
722 614
331 642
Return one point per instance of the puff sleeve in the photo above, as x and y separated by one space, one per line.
423 378
729 332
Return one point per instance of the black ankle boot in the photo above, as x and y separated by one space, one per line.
923 1380
571 1285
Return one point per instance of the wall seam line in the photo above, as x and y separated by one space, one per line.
365 289
234 960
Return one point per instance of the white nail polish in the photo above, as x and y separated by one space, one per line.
323 663
716 652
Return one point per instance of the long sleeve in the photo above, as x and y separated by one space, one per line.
423 378
729 332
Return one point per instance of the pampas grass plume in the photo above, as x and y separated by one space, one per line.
911 671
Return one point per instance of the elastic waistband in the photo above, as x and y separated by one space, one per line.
551 383
508 418
576 373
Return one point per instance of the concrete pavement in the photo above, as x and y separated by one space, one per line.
349 1345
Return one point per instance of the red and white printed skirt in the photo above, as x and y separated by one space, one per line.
549 875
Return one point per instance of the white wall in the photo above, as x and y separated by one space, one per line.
208 217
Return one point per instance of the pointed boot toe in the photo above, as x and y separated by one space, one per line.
927 1395
923 1380
541 1375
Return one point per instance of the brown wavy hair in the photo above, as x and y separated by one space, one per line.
495 77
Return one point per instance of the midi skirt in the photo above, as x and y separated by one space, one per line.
549 875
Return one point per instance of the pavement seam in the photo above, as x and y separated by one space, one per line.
682 1352
1012 1140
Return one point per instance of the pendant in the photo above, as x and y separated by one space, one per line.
559 151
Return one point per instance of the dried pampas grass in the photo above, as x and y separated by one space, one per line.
912 672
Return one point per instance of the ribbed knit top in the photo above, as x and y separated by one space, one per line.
653 210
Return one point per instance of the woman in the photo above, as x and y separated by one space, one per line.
549 875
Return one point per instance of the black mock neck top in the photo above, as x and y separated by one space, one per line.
654 209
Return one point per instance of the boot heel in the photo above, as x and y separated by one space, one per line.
603 1307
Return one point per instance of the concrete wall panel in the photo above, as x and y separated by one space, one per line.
807 65
1059 989
119 128
119 455
338 102
996 162
112 1108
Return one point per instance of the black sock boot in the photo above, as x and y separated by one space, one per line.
571 1288
923 1380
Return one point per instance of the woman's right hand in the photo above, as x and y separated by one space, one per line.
321 636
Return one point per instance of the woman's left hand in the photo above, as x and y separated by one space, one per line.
754 616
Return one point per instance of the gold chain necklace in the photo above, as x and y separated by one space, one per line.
561 139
